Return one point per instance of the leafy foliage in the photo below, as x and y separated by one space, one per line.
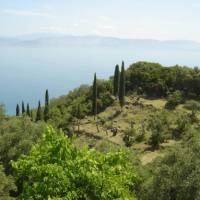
16 138
129 137
177 175
174 99
56 169
157 81
159 126
6 185
122 86
182 125
192 105
63 110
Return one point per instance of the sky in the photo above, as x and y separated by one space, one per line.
155 19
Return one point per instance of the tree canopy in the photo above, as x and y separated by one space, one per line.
56 169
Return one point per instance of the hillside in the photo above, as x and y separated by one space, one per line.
126 145
136 114
153 91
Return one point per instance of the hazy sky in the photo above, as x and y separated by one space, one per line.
157 19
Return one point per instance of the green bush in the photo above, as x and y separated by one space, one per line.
141 133
155 80
182 123
174 99
177 175
6 185
155 139
159 126
104 95
63 110
129 137
56 169
192 105
16 138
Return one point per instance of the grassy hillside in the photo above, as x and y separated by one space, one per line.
147 148
136 115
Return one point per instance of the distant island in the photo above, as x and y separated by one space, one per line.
50 39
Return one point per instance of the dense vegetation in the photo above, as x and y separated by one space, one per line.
56 169
157 81
175 83
176 176
37 162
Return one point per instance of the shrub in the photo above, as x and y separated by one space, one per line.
174 99
182 125
56 169
140 91
129 137
6 185
16 138
177 175
140 137
104 95
192 105
155 139
159 127
115 114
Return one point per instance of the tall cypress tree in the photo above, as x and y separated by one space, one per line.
23 108
47 97
122 86
31 115
78 115
28 110
94 96
78 111
39 113
46 108
17 110
116 81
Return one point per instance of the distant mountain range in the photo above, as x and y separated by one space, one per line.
45 39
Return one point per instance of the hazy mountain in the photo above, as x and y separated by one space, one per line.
60 40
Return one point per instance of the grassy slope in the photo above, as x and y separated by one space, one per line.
134 111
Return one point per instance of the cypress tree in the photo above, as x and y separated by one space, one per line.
78 111
31 115
78 114
46 108
94 97
28 110
47 97
17 110
122 86
39 113
116 81
23 108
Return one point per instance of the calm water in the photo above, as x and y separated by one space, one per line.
26 72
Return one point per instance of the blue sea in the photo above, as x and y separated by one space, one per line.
26 72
